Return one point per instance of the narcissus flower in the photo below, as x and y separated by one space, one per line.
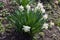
21 8
26 28
43 10
45 16
40 5
45 26
51 24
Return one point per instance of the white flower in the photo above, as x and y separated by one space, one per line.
32 9
40 5
43 10
21 8
28 8
51 24
45 16
45 26
26 28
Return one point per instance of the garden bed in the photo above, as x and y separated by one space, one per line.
53 33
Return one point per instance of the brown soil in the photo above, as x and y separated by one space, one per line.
51 34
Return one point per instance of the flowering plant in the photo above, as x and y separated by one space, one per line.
29 20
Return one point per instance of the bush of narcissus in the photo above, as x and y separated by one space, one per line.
29 20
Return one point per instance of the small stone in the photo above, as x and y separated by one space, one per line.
41 33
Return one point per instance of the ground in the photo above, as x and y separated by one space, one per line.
50 34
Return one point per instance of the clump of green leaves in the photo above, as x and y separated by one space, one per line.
27 19
23 2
